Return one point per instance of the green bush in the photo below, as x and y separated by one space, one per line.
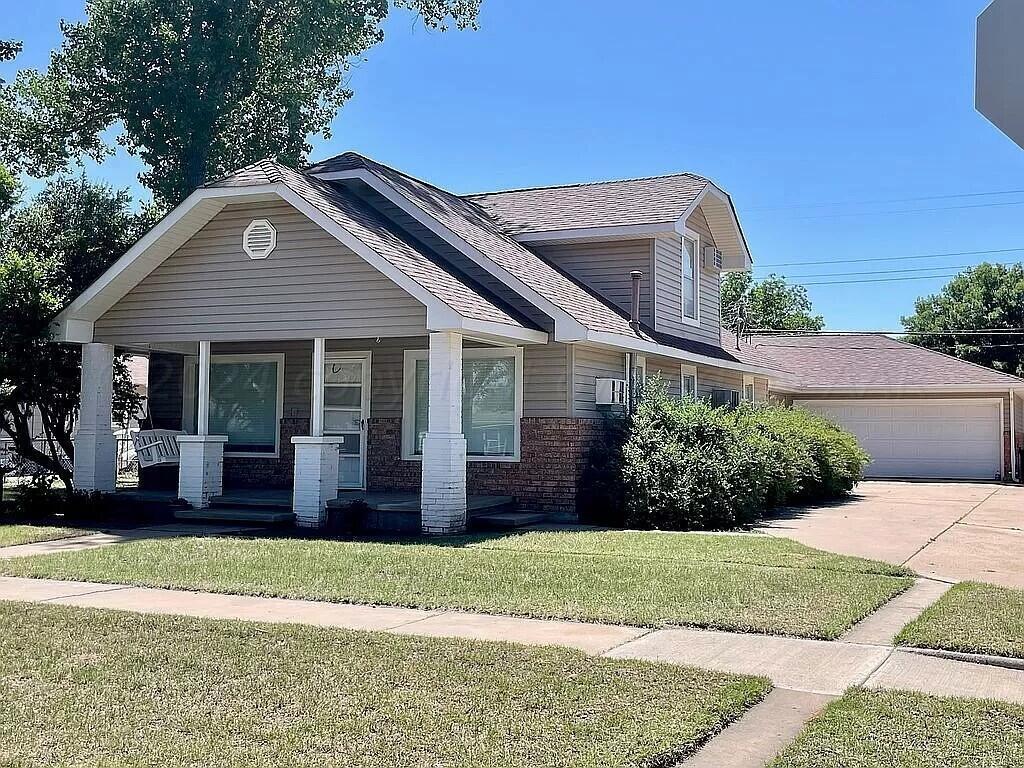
686 465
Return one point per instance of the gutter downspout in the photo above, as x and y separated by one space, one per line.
1013 436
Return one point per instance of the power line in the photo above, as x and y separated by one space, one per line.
890 200
889 258
901 332
877 272
877 279
905 210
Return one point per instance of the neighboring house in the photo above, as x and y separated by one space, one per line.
349 326
919 413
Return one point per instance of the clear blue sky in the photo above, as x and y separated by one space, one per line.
800 103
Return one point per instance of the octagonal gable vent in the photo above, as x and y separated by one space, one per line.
259 239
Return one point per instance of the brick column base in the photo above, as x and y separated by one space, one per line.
316 479
443 487
201 468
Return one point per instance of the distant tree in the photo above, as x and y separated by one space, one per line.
769 303
988 297
50 250
199 88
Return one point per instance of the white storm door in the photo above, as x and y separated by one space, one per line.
346 409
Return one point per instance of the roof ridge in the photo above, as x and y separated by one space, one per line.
578 184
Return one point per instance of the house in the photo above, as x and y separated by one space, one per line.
919 413
351 327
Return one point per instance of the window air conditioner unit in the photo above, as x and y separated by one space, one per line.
611 391
725 398
712 257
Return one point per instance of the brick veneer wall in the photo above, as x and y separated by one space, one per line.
253 472
546 479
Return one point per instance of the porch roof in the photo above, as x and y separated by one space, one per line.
453 301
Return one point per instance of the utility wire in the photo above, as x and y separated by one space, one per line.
905 210
887 258
876 279
957 332
876 272
890 200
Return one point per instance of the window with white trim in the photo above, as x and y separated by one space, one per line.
688 381
748 389
492 402
691 278
246 402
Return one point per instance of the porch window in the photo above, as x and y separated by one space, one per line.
492 387
691 277
246 402
688 381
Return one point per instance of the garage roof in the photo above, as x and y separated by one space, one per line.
867 361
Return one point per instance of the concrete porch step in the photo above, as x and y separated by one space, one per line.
498 521
277 501
261 515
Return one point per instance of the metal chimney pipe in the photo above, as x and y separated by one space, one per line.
634 312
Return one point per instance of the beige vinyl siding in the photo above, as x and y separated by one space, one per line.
604 267
209 289
452 255
590 364
760 389
668 252
709 379
545 375
669 371
545 380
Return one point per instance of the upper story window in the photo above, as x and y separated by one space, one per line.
691 278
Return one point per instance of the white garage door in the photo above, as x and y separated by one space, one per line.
955 439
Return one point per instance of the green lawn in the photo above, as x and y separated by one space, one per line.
740 583
876 729
89 687
26 534
973 618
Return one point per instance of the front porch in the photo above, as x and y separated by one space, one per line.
379 511
283 431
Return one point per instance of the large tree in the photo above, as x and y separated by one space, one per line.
198 88
771 303
49 251
989 297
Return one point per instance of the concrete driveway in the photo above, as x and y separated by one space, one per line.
952 531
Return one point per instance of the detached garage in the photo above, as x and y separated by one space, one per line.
919 413
954 439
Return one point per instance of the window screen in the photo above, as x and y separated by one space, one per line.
243 405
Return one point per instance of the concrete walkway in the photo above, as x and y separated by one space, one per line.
946 531
118 536
810 666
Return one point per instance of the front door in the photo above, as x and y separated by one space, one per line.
346 409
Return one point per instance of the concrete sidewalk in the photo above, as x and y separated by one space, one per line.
817 667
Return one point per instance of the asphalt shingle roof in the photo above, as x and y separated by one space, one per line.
867 360
653 200
377 233
471 223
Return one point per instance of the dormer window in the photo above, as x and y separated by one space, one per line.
691 278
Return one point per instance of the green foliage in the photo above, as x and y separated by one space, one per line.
988 297
49 251
199 88
771 303
687 465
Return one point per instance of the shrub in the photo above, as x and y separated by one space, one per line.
686 465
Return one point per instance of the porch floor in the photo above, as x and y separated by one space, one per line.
382 501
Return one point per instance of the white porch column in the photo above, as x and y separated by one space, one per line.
201 456
95 447
316 479
443 500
